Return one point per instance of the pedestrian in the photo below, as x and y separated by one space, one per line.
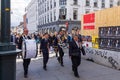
26 62
17 45
51 43
79 35
75 48
61 41
55 43
13 37
45 50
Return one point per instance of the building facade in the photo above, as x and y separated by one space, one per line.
56 14
32 16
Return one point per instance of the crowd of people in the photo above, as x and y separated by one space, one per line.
57 40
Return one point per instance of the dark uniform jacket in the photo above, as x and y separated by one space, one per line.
73 49
44 45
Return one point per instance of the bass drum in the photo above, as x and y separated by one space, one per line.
29 49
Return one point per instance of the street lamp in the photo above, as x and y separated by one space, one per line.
8 50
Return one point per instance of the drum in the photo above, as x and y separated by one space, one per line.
29 49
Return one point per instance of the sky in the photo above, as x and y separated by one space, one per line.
17 11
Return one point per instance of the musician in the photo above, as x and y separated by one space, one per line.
13 38
55 43
45 50
26 62
61 40
79 35
75 49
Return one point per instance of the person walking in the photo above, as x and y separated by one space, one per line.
26 62
45 50
75 50
61 41
55 43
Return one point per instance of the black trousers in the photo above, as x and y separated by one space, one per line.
45 58
56 50
61 54
76 60
26 63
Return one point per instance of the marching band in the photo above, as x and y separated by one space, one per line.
59 42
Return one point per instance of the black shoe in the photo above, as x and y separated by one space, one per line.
72 69
58 59
62 65
45 68
56 55
77 75
25 76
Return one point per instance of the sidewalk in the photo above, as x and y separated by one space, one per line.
87 71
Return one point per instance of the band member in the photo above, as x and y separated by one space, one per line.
61 40
45 50
26 62
55 43
75 49
79 35
17 45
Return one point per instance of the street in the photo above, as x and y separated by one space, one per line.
87 70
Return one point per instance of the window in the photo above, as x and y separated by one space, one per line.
95 3
48 18
62 13
47 5
87 11
87 2
75 2
62 2
54 3
75 14
111 3
45 19
51 4
103 4
118 3
54 15
51 16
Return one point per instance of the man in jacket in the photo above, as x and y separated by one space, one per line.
45 50
75 50
26 62
61 40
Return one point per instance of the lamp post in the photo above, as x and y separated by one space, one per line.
8 50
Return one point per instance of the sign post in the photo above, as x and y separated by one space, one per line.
8 51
